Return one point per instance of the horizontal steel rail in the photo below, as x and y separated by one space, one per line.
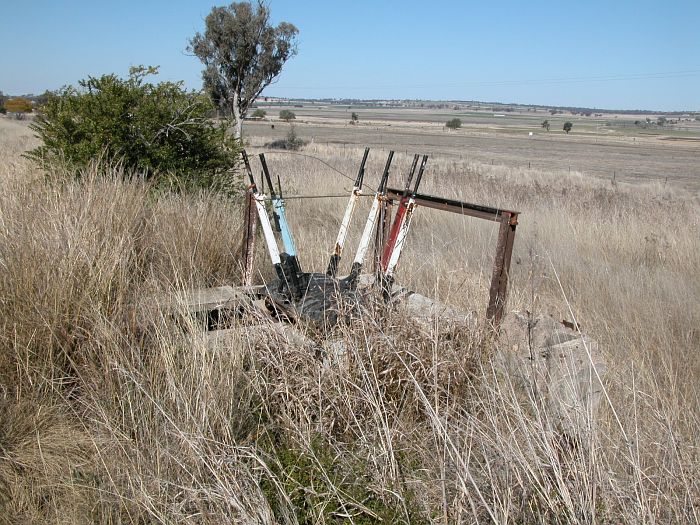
455 206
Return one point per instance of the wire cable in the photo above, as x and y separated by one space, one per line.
318 159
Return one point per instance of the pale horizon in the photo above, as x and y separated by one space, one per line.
622 56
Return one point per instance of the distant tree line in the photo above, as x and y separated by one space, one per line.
18 107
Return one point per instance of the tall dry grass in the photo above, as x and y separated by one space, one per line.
114 412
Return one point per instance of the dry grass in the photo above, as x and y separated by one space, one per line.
110 415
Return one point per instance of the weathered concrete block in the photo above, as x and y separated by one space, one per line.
559 367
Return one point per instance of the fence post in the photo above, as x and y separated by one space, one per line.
501 268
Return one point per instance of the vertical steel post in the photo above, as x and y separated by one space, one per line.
382 233
250 225
501 268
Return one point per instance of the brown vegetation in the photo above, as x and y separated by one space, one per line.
112 412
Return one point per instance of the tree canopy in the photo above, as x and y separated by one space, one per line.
568 126
242 54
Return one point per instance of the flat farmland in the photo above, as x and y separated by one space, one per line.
604 147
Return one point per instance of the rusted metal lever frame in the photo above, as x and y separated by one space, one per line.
508 220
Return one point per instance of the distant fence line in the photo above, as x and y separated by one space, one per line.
613 175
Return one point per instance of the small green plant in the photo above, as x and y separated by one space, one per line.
545 124
293 140
287 115
259 113
161 131
354 118
321 485
453 123
568 126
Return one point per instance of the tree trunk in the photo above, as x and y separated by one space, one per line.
237 118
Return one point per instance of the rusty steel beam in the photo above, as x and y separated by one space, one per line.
501 269
250 225
455 206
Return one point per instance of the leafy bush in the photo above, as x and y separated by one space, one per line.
160 130
568 126
287 115
454 123
293 140
259 113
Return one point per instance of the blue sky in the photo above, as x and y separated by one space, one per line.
607 54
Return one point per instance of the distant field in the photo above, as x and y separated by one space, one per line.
620 150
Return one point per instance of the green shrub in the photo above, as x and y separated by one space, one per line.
259 113
287 115
160 130
322 485
454 123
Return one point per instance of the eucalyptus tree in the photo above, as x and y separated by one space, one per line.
242 53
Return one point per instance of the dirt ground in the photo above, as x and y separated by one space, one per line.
627 154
